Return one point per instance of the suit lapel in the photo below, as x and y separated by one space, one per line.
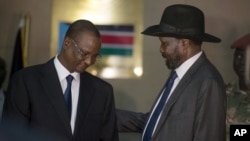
179 90
50 83
86 92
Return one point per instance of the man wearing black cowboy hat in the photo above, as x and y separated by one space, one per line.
194 108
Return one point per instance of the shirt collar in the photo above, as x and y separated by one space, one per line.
183 68
63 72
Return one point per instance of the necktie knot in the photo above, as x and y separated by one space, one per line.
173 76
69 79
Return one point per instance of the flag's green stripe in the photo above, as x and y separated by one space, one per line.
115 51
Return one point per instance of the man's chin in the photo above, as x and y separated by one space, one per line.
168 66
80 69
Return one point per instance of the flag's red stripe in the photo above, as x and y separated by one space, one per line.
109 39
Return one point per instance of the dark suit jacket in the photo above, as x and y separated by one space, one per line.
196 110
35 99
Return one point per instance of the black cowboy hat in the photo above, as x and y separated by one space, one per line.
182 21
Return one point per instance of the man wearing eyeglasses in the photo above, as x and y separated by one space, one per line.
60 98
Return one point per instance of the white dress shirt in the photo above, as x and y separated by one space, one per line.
62 74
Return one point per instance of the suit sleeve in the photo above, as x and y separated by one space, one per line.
109 130
17 105
129 121
211 112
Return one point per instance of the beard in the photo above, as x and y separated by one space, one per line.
173 62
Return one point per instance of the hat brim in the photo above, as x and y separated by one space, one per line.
156 31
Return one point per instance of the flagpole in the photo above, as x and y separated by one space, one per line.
25 39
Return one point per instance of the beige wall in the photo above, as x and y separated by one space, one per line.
227 19
39 12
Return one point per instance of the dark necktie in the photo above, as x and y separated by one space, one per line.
67 94
152 121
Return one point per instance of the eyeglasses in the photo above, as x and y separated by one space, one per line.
84 54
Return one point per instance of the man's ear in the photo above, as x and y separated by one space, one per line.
66 42
185 43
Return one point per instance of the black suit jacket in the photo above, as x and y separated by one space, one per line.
196 110
35 99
